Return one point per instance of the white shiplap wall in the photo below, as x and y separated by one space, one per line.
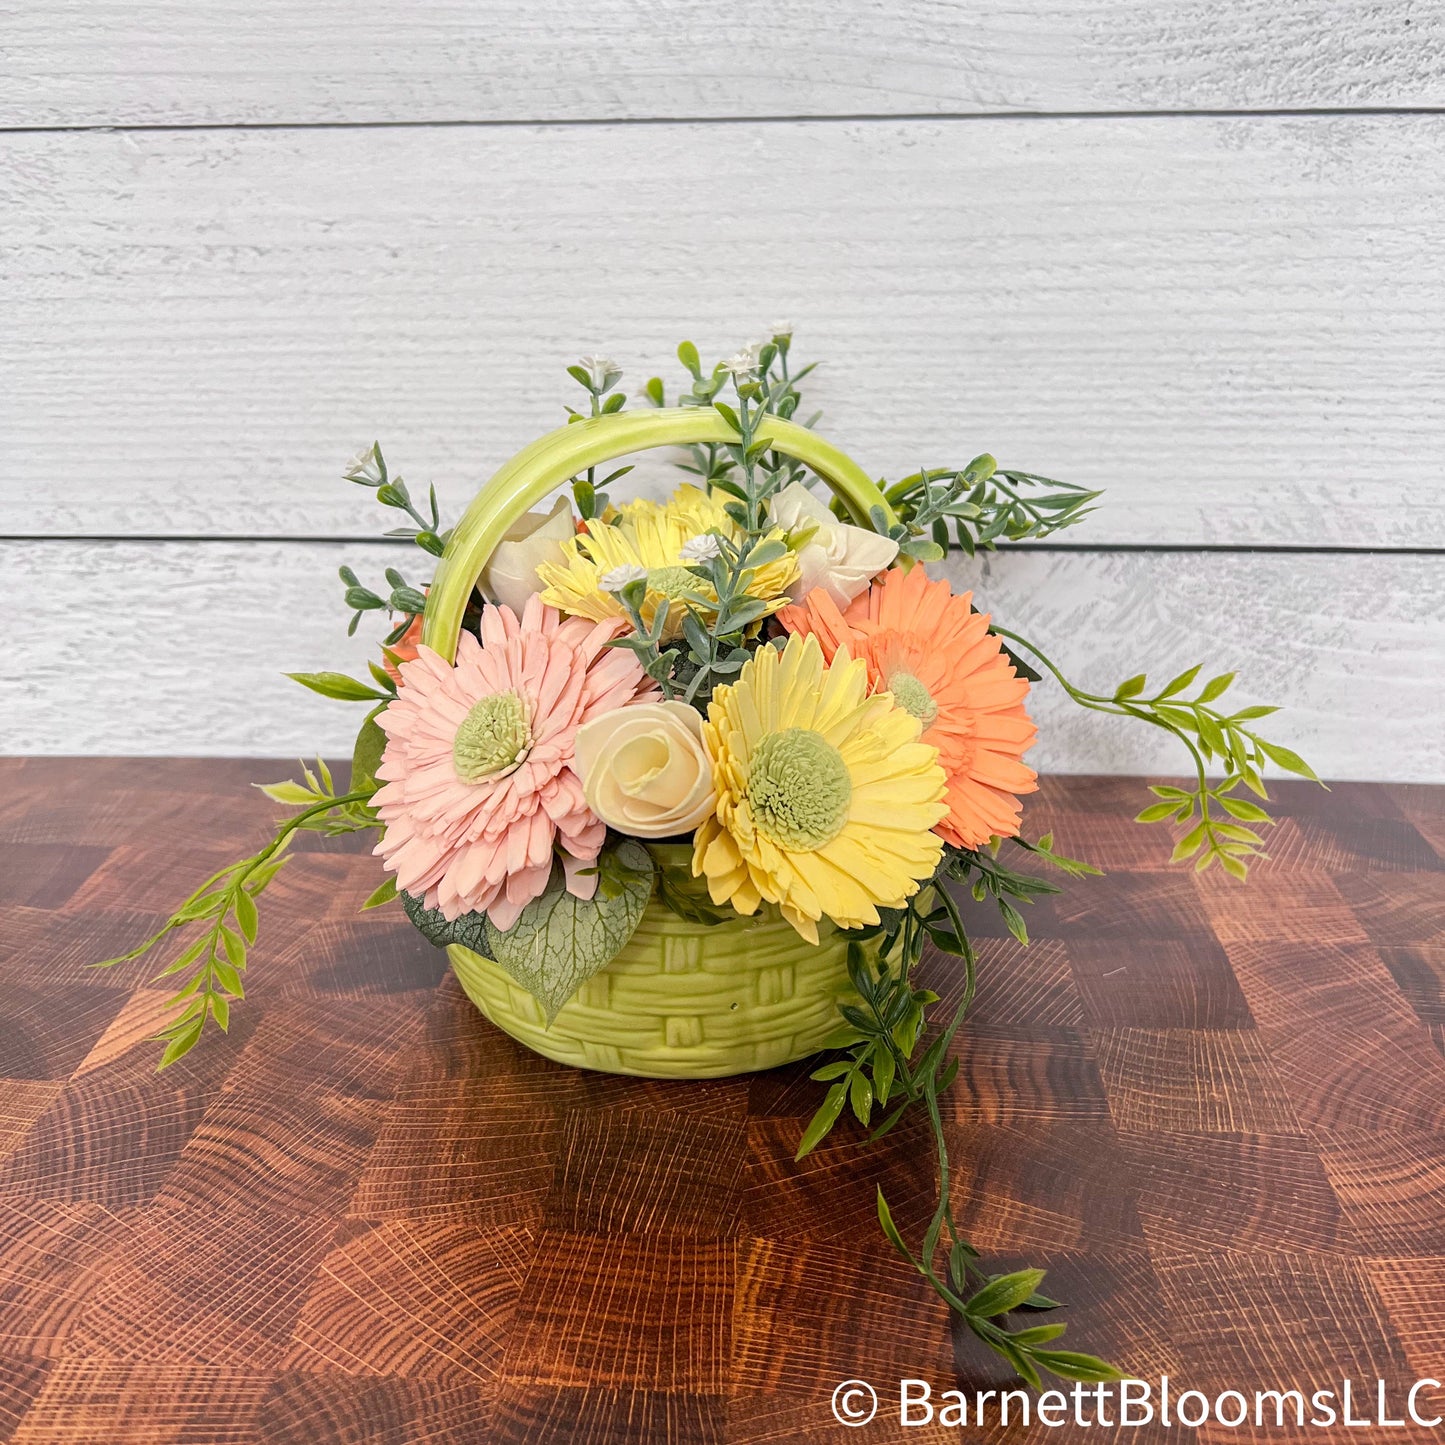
1189 253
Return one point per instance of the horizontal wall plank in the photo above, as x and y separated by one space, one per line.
79 62
171 648
1230 324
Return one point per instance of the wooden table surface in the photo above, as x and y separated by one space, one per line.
1217 1114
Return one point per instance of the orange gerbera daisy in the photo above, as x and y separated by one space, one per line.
404 649
927 647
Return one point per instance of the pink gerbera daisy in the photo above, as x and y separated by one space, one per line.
479 791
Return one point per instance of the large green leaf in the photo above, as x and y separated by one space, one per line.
470 930
339 686
560 941
366 755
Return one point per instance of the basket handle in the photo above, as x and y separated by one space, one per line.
551 460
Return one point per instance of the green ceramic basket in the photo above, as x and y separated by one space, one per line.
682 1000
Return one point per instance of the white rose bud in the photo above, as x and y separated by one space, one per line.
839 558
510 575
644 769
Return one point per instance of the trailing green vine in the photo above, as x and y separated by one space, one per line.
1210 736
883 1066
223 913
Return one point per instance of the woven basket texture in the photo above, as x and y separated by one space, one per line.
682 1000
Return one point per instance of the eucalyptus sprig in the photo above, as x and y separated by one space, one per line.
224 916
982 503
597 376
369 469
1216 818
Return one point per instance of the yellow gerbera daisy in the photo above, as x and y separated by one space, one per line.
649 537
826 800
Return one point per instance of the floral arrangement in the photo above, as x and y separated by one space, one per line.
738 703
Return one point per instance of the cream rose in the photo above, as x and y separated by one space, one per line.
510 576
644 769
840 559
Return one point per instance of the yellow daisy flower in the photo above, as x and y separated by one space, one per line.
826 800
646 537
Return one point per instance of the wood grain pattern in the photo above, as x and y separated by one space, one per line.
167 62
367 1216
1227 322
213 642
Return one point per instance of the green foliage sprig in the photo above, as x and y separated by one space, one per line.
341 688
986 875
403 598
982 503
881 1035
370 470
714 628
409 602
715 650
756 472
597 376
932 916
1216 818
222 912
325 811
766 369
646 642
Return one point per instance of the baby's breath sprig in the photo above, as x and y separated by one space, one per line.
597 376
369 469
1216 833
224 914
757 472
769 365
981 504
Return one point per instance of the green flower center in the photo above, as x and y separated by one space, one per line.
672 582
493 739
798 789
913 697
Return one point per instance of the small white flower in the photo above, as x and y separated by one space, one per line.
744 364
702 548
600 368
780 328
363 460
619 577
